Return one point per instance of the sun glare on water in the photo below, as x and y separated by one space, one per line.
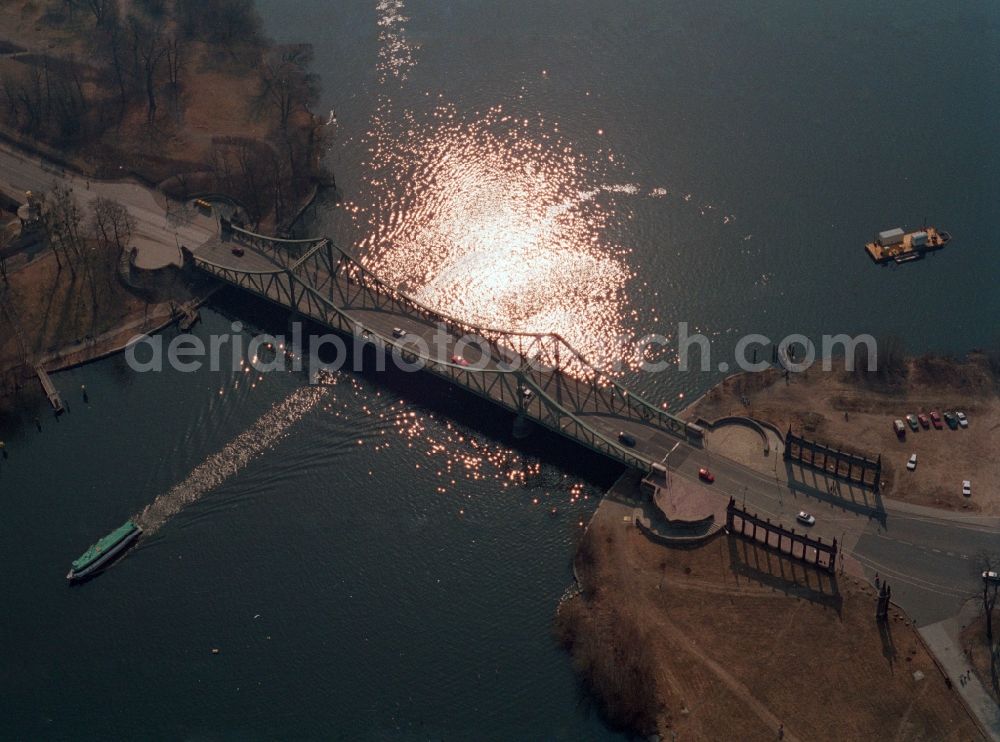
492 219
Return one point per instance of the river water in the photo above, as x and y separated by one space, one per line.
377 557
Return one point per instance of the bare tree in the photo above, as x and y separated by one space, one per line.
149 49
991 583
61 219
112 227
101 9
287 85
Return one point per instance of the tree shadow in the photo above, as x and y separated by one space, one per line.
888 646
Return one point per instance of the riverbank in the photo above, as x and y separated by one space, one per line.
855 412
49 319
167 104
731 641
204 108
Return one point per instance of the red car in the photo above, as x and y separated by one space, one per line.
459 360
924 420
238 252
936 420
706 475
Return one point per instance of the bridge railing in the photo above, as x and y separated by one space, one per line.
542 351
531 347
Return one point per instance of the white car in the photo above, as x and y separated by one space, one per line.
963 421
911 463
398 332
804 517
967 488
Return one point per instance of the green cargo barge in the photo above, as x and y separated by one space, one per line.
104 551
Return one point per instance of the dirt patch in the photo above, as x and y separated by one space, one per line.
852 414
729 641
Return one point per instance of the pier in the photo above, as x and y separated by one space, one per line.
50 390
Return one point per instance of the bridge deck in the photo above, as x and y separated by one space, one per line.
576 404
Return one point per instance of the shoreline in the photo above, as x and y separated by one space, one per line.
213 119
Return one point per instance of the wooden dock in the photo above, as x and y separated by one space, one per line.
50 390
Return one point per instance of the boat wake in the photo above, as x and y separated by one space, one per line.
234 456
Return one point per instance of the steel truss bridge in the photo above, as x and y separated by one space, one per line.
537 376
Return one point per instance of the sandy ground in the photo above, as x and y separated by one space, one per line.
729 641
837 409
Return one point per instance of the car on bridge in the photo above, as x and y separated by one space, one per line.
627 439
804 517
238 252
706 475
398 332
458 360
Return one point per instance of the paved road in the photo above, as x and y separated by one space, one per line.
929 557
159 232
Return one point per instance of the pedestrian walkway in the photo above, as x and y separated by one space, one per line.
942 638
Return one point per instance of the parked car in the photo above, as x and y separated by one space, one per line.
459 360
899 428
936 419
627 438
949 417
398 332
967 488
706 475
924 420
911 463
804 517
912 420
962 419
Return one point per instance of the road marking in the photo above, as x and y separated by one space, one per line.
917 582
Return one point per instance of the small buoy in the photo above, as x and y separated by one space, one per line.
215 650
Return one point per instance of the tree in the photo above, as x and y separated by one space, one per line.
287 85
112 227
61 219
148 48
990 565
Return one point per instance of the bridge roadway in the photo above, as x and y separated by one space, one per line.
521 372
929 557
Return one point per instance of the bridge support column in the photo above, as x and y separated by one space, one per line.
522 427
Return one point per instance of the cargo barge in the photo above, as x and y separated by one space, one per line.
897 246
104 551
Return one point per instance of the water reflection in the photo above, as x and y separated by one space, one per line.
495 219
